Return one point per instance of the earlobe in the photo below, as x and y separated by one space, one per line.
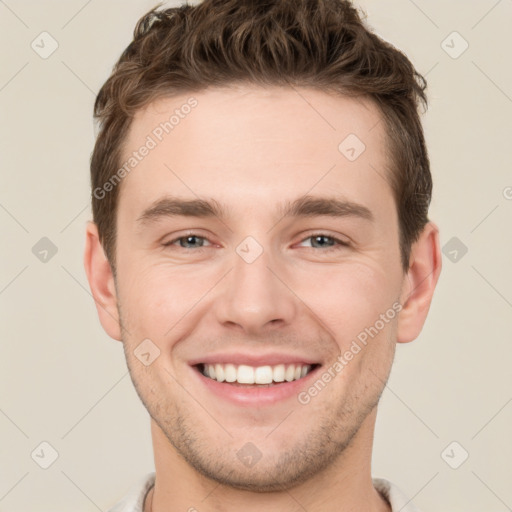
419 284
101 282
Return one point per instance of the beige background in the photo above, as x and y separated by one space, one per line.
64 382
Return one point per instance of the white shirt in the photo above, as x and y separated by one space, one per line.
134 500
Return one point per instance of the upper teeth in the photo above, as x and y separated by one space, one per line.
260 375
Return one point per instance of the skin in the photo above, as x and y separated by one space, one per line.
250 149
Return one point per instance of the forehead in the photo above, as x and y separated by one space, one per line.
265 143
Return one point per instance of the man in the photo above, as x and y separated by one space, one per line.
260 244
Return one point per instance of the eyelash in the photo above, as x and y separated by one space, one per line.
340 243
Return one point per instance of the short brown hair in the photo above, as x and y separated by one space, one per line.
322 44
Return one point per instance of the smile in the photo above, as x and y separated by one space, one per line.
255 386
258 376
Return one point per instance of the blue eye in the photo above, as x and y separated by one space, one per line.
322 241
319 238
188 239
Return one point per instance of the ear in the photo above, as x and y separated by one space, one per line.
419 283
101 282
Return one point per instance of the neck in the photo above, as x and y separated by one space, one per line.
345 485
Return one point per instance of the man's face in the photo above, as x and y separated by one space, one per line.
255 287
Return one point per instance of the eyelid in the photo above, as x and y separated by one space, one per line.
185 235
339 241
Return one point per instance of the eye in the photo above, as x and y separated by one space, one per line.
318 241
325 241
189 241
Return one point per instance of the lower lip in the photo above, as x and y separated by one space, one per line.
255 395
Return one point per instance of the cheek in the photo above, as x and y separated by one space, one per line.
157 299
350 299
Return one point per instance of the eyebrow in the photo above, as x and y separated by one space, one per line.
305 206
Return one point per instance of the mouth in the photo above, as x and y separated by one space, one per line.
260 376
255 386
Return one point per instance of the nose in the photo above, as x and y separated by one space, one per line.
255 297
